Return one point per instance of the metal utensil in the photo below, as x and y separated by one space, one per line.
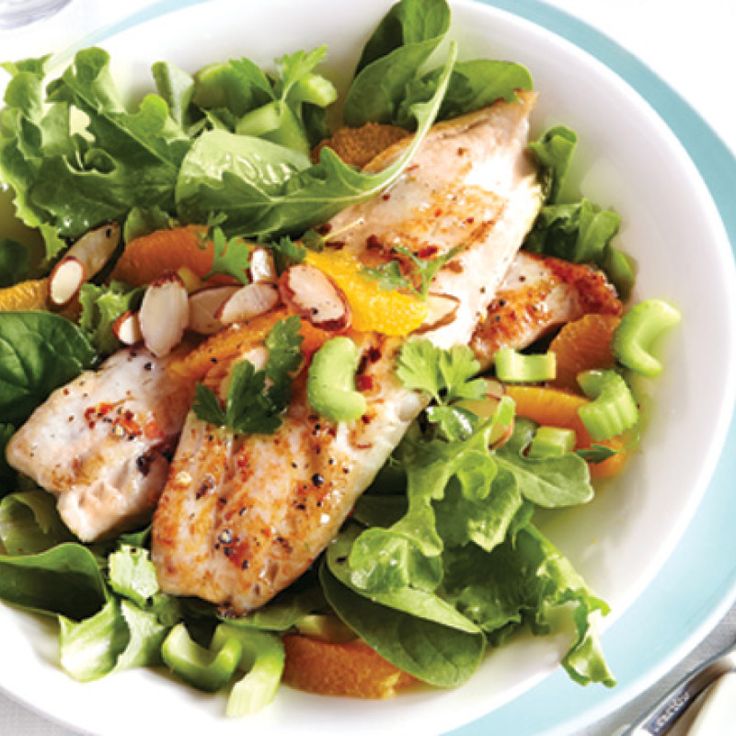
659 719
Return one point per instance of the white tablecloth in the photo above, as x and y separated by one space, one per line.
689 44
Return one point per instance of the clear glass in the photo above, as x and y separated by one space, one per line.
16 13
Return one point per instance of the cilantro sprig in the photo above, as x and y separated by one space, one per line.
390 276
256 399
230 256
448 376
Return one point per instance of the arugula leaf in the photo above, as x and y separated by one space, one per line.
39 351
402 42
176 87
473 84
596 453
15 262
551 482
101 306
436 654
29 523
250 406
266 189
230 257
554 151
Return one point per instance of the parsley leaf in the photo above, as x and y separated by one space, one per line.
388 275
287 252
230 257
447 376
426 270
252 406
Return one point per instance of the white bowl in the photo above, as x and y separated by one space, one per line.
627 159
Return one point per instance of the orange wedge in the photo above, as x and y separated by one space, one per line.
373 309
557 408
583 345
147 258
351 668
27 295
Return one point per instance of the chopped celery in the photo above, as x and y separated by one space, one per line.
619 268
204 669
263 655
552 442
639 327
613 408
314 89
518 368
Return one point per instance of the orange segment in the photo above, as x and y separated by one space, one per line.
148 257
374 309
27 295
352 669
558 408
583 345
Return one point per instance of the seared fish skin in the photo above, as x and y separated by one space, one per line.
538 294
242 517
101 442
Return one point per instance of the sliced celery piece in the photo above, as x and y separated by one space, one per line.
552 442
263 654
205 669
613 408
515 367
639 328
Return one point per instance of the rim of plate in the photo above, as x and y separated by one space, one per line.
667 103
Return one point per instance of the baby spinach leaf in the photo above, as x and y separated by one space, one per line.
64 580
39 352
550 482
436 654
403 41
14 262
263 189
7 474
29 523
374 510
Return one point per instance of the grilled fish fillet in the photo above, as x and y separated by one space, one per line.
241 517
101 442
538 294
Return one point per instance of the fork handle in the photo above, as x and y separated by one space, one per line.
659 719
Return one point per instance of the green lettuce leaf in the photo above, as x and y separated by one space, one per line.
550 482
39 352
402 42
263 189
30 524
101 306
132 574
142 221
436 654
554 152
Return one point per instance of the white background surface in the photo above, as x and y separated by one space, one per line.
689 44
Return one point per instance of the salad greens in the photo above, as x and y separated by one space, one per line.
441 556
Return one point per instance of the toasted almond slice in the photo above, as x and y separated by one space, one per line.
164 314
90 254
127 328
316 297
442 309
204 305
248 302
66 280
262 268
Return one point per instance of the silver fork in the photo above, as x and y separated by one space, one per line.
661 717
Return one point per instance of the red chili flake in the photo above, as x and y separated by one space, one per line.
413 167
438 212
385 197
324 229
428 251
364 383
335 244
374 354
470 220
373 242
152 431
461 151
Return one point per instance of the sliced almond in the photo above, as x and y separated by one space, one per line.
127 328
262 267
66 280
442 310
204 305
248 302
316 297
91 252
164 314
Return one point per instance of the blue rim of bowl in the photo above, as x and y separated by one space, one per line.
697 585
